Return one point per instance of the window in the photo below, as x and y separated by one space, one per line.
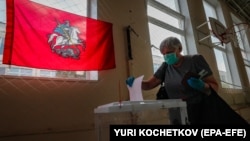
242 30
164 22
74 6
228 78
173 4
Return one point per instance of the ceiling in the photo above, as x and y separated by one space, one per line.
241 7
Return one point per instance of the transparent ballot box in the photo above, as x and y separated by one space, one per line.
138 113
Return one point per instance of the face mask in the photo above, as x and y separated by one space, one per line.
171 58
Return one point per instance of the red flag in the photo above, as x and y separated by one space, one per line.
42 37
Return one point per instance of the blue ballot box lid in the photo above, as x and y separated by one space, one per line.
139 105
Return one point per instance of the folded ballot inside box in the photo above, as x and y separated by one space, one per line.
137 113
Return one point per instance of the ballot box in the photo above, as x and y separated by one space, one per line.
138 113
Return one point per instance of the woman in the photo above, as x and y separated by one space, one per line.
181 79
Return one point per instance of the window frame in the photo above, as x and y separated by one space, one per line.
225 49
243 45
157 60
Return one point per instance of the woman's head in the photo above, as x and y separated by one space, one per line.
171 43
171 48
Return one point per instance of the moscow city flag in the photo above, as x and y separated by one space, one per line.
42 37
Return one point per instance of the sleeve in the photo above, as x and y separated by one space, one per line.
200 64
160 72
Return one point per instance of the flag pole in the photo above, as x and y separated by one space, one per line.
119 92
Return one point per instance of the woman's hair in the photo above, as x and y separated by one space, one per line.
171 43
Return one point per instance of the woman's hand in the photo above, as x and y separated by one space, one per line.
196 83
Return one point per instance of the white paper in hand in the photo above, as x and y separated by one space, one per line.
135 92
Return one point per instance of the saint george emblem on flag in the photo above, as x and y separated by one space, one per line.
42 37
65 41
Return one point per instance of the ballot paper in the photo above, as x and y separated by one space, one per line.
135 91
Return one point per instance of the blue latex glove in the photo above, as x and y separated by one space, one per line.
196 83
130 81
